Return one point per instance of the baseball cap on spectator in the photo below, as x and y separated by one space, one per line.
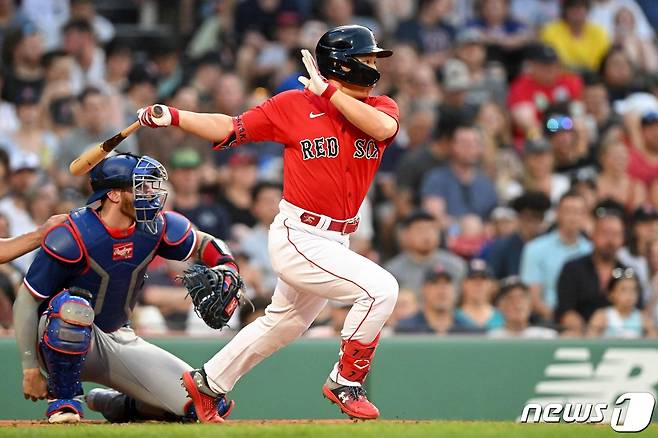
537 146
645 213
508 284
185 159
288 19
609 207
24 161
437 272
541 53
455 76
478 268
469 35
415 216
242 158
555 123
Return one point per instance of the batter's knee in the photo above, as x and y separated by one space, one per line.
386 293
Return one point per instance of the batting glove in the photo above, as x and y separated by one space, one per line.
317 84
146 116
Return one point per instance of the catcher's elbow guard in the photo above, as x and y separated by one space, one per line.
215 252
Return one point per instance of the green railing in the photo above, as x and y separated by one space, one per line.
412 377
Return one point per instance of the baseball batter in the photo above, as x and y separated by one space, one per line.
334 134
72 314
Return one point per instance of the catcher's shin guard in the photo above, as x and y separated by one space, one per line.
64 345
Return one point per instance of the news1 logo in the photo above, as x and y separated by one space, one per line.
631 412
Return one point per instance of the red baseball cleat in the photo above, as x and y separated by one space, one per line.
352 401
205 399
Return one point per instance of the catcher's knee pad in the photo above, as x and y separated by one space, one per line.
65 342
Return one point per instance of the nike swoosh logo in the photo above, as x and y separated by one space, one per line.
311 115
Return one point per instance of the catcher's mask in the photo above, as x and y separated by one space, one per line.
148 190
144 175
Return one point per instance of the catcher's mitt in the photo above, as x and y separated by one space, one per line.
216 292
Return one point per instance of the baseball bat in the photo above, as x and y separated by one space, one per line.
95 154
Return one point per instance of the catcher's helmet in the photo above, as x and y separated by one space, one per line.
144 175
338 47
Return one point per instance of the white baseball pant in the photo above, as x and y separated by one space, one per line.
313 265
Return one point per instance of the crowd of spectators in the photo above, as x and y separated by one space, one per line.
519 198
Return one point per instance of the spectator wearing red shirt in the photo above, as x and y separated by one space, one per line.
643 162
542 85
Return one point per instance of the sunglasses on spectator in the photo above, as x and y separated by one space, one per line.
619 273
559 123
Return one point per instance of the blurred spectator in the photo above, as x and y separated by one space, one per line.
652 261
605 13
504 254
241 179
429 31
30 137
80 42
140 90
185 178
438 306
613 182
539 271
229 95
211 34
419 240
499 28
643 162
169 70
499 161
635 255
504 221
405 307
475 311
640 50
539 174
583 282
622 318
470 236
85 10
10 17
580 43
93 127
569 145
515 304
460 184
49 16
255 20
21 57
535 13
265 206
619 74
598 110
542 83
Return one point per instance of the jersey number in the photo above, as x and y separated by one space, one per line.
321 147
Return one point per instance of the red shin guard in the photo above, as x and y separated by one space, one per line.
355 358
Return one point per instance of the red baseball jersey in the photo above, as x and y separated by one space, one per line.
328 163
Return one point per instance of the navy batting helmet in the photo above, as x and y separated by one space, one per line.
339 47
115 172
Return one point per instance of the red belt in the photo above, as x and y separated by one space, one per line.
343 227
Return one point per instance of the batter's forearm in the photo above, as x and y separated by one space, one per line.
212 127
368 119
26 323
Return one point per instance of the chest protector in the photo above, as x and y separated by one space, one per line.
115 267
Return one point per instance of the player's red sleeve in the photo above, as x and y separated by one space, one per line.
260 123
388 106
